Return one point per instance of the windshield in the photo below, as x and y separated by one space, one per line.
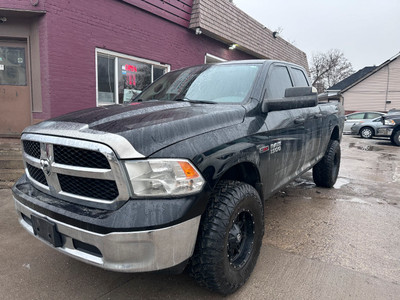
207 83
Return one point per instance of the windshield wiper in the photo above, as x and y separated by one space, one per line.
194 101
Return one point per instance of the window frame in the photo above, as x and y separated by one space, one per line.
117 56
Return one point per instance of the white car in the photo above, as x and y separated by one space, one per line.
357 117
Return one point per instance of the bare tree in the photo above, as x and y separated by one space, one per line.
329 68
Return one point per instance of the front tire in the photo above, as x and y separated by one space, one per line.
230 237
367 133
396 138
326 171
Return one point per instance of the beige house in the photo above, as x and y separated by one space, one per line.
372 88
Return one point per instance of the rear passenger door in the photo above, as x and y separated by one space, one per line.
312 122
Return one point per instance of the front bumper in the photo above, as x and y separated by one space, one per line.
355 131
140 236
138 251
384 131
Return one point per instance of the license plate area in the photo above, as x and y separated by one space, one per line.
46 230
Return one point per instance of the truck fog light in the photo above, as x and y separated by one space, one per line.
159 177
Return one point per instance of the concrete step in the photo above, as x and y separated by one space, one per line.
10 175
11 163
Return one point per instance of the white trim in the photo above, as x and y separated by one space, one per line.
116 56
208 55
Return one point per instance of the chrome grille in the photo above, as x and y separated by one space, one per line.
37 174
83 172
79 157
88 187
32 148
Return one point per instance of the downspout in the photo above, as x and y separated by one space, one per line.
387 86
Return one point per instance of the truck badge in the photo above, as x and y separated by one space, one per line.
276 147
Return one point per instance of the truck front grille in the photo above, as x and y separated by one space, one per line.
32 148
80 157
37 174
89 187
84 172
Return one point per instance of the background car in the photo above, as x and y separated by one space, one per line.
367 129
357 117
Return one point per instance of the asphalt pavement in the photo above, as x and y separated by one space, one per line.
340 243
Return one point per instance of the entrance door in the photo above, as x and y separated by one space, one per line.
15 104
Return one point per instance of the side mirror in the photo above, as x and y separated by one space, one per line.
296 97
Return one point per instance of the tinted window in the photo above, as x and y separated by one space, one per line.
278 81
356 116
299 78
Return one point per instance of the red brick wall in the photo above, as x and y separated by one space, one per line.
71 30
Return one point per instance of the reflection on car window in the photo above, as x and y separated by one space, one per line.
371 115
216 83
299 77
278 82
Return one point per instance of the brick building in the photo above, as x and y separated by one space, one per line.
58 56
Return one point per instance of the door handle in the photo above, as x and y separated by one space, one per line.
299 121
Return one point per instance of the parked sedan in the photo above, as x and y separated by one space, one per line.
367 129
355 118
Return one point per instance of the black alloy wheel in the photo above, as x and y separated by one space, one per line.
241 239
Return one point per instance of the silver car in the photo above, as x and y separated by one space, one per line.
357 117
367 129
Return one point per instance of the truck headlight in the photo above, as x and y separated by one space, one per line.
389 122
163 177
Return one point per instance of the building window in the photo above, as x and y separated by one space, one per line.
120 77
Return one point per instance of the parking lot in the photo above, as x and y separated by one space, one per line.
340 243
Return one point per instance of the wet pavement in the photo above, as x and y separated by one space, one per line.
340 243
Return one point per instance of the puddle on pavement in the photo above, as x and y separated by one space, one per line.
354 200
340 182
365 147
304 183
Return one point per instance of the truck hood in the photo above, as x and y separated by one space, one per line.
146 126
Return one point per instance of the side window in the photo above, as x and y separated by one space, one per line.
299 77
371 115
356 116
278 81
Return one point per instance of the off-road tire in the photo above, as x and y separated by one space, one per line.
367 132
326 171
395 138
229 239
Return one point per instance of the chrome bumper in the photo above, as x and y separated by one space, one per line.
138 251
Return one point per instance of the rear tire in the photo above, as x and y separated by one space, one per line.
229 238
395 138
326 171
367 133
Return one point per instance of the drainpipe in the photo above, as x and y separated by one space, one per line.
387 86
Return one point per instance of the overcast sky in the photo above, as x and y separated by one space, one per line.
366 31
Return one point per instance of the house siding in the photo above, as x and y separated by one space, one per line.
372 93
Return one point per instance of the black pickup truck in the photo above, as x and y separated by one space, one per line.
177 178
391 127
